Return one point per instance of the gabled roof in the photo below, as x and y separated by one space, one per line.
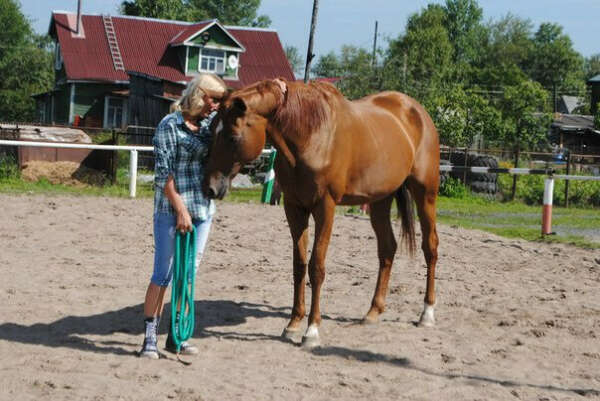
145 46
594 79
189 32
196 29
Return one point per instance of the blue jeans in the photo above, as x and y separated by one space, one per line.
164 245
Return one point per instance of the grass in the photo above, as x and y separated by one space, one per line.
517 220
507 219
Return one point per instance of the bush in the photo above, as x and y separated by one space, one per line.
530 189
9 168
453 188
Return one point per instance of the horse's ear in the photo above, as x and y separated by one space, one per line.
240 105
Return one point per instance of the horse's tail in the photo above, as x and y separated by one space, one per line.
406 212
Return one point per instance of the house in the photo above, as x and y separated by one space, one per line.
113 71
576 133
569 104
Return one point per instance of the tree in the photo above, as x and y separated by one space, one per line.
524 111
25 64
592 66
506 52
240 12
295 59
328 66
465 31
162 9
553 61
422 57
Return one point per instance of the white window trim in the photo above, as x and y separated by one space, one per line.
123 114
216 58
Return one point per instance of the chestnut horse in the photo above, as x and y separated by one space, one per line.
332 151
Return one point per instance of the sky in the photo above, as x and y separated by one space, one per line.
353 21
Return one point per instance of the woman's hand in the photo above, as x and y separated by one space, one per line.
184 221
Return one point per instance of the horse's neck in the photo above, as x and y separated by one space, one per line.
282 144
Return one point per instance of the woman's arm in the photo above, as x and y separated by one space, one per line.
184 220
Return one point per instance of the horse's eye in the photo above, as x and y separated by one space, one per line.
234 139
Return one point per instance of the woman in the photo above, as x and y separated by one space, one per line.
181 144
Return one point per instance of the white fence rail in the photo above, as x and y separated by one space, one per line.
133 151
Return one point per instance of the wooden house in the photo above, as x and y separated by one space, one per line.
114 71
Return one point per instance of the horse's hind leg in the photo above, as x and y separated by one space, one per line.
297 218
386 249
425 197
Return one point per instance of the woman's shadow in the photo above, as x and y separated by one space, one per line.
71 331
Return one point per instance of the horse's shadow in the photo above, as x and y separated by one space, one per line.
71 331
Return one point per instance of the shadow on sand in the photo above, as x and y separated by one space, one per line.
71 331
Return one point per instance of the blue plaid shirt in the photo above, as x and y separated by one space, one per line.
181 153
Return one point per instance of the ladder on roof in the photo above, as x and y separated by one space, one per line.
113 45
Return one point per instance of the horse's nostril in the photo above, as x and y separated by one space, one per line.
211 193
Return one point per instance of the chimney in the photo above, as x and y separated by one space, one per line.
78 17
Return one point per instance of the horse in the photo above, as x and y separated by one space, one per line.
332 151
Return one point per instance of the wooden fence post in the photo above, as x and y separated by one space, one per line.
466 165
514 186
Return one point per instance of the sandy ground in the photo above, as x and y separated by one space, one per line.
516 320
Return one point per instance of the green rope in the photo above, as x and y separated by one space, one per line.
182 293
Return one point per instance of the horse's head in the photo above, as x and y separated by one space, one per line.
239 134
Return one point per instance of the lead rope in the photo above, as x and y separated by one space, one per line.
182 293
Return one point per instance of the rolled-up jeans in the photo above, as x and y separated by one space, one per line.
164 245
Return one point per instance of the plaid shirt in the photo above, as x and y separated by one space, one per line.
181 153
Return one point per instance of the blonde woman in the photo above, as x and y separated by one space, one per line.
181 144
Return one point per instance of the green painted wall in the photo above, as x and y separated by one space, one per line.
217 38
88 96
193 57
61 105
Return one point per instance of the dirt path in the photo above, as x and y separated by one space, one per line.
516 320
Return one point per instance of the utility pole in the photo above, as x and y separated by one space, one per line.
309 53
375 46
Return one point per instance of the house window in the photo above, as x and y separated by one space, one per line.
114 112
212 61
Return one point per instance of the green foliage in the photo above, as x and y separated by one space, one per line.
592 66
9 168
25 64
525 123
453 188
530 189
241 12
597 117
355 67
553 60
295 59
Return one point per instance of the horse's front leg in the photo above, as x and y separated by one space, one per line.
297 218
323 214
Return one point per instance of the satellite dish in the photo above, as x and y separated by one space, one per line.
232 62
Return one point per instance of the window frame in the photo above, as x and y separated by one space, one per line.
223 59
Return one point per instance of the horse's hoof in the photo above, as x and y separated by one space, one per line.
310 342
368 321
290 334
427 317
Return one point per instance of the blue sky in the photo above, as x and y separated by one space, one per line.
353 21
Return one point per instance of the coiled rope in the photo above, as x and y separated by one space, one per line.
182 293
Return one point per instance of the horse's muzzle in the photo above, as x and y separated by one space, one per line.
215 186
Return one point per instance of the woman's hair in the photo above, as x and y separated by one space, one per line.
192 101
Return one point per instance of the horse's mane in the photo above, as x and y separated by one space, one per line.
306 108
